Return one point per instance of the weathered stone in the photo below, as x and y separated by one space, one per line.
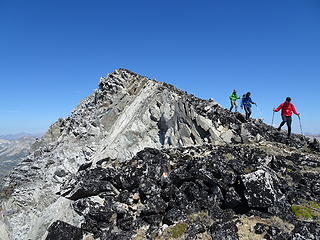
306 231
185 131
315 145
275 233
90 183
232 199
203 122
260 188
61 231
260 228
227 136
155 114
224 230
60 173
173 215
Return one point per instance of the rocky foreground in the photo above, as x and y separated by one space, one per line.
140 159
256 191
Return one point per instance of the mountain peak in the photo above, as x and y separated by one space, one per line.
130 119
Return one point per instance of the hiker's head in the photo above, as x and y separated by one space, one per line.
288 99
248 94
234 90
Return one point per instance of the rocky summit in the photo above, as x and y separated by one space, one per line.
141 159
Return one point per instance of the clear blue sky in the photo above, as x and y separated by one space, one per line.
53 52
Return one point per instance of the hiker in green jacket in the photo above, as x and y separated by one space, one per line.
233 100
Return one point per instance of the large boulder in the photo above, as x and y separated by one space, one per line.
261 188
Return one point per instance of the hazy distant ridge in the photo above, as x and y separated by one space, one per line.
16 136
12 149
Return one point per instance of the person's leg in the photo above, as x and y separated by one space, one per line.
249 112
231 102
281 124
284 120
289 121
236 105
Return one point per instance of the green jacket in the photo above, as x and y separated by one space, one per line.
234 97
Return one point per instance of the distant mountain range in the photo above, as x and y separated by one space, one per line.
313 135
12 149
17 136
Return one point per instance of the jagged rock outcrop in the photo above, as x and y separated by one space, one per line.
90 175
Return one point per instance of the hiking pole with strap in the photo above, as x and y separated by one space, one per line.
300 124
272 117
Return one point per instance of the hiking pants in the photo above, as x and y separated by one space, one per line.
247 109
288 120
234 103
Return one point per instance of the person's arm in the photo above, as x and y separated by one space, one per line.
278 108
250 100
294 110
230 97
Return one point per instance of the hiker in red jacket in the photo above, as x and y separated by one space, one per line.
286 112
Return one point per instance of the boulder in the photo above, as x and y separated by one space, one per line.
260 188
61 231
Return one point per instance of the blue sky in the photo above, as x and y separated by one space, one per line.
53 52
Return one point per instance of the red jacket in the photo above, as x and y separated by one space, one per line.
287 109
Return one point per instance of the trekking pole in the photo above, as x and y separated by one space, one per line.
272 117
260 113
300 124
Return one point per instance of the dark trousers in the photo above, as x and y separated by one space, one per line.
247 109
288 120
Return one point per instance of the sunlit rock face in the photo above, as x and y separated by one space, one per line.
140 159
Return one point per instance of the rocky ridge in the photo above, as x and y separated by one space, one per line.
90 175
